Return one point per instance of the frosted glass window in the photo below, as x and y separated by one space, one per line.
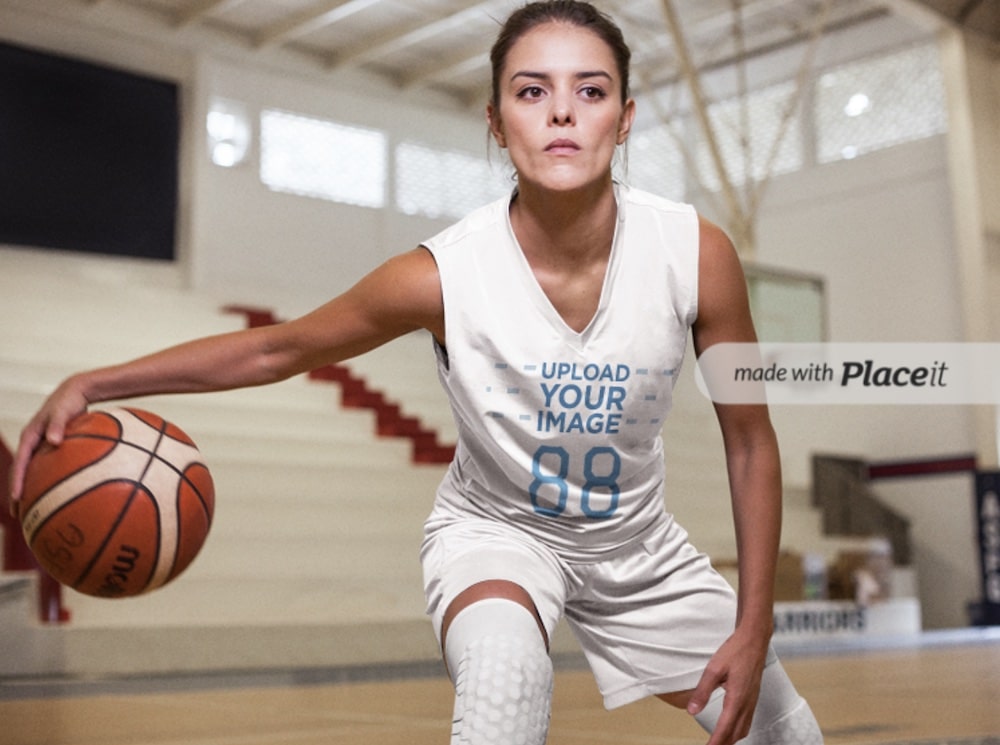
655 162
764 113
787 308
322 159
444 183
228 128
879 102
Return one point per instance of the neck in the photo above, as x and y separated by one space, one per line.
565 225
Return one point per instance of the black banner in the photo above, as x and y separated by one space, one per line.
988 515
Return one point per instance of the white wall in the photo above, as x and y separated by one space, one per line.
971 69
945 543
246 237
879 230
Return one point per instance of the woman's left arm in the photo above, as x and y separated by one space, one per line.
754 470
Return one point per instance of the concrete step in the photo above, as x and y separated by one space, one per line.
88 341
28 647
405 370
200 600
239 447
17 598
337 523
289 408
106 650
328 560
20 373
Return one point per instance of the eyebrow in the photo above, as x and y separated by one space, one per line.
583 75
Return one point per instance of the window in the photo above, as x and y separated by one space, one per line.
444 183
765 112
321 159
879 102
655 162
228 127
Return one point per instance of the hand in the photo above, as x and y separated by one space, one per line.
736 667
48 425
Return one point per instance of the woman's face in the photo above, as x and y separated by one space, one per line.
561 113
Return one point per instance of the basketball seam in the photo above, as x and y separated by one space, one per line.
137 486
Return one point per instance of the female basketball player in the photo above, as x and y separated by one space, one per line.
560 317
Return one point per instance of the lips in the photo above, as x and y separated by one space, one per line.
562 146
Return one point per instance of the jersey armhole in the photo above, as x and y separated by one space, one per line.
440 350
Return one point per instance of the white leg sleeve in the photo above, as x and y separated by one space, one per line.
502 675
782 716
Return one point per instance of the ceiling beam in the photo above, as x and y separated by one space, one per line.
923 14
665 64
967 10
700 106
197 11
299 24
462 64
748 9
754 52
416 34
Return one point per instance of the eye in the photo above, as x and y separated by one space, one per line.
593 92
531 91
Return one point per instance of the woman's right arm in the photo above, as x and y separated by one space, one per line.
400 296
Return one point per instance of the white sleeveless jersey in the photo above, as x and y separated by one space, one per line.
559 431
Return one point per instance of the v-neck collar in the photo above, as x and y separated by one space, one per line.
577 339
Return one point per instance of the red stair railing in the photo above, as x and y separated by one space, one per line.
390 421
17 557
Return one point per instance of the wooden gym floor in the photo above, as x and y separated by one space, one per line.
936 691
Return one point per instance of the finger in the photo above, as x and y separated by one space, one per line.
733 724
16 485
734 721
17 469
55 431
30 440
703 691
723 733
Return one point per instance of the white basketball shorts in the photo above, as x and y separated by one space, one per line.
648 617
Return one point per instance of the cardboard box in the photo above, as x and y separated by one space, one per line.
789 580
863 576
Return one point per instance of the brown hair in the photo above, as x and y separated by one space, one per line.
574 12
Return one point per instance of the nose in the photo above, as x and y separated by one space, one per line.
562 111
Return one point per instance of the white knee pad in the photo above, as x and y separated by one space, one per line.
782 716
502 675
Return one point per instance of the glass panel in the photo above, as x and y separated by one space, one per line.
879 102
764 114
787 307
444 183
228 127
655 162
318 158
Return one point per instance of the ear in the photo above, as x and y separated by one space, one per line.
496 127
625 123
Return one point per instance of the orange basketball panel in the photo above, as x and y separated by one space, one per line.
195 508
127 558
51 465
67 542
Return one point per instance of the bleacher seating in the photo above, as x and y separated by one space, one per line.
312 559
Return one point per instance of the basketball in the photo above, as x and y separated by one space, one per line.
122 506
